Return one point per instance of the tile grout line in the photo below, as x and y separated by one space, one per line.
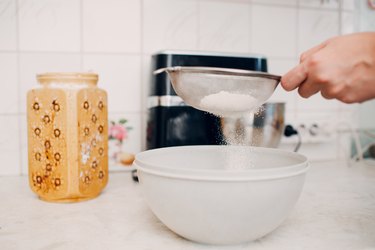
250 20
143 83
298 4
340 17
198 25
19 119
81 33
12 114
296 109
339 32
72 52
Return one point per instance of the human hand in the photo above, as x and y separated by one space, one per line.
342 68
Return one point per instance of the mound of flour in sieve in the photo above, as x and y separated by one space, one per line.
228 104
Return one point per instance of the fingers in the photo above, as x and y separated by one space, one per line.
330 93
336 91
294 77
308 88
308 83
311 51
298 76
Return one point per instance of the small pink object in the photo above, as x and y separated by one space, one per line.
118 132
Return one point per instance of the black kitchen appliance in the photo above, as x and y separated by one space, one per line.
173 123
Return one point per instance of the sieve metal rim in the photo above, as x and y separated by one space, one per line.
218 71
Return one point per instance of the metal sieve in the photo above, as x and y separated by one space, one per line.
221 91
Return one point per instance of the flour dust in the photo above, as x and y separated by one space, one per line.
234 108
225 103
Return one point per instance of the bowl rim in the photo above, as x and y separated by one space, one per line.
221 178
224 175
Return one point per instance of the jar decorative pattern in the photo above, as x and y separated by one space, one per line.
67 137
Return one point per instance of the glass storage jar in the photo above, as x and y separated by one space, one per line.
67 137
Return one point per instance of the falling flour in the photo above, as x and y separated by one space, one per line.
225 103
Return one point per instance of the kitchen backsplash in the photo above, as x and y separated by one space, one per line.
116 39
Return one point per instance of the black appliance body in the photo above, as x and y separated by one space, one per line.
173 123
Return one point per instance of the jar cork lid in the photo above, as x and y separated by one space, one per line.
67 77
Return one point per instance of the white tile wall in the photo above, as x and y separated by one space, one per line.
116 39
316 103
9 145
321 4
8 25
280 66
49 25
9 83
349 4
366 18
224 26
170 24
274 31
277 2
112 25
120 75
348 23
23 144
146 78
315 26
316 150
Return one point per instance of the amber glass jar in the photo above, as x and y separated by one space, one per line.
67 137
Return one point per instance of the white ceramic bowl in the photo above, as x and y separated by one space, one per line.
221 194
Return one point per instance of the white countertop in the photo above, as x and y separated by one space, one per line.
335 211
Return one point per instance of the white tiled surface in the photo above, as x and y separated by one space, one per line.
348 23
8 25
23 144
170 24
277 2
9 83
9 145
323 150
146 78
315 26
280 66
116 39
366 17
224 26
274 31
49 25
349 4
112 25
316 103
120 75
321 4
